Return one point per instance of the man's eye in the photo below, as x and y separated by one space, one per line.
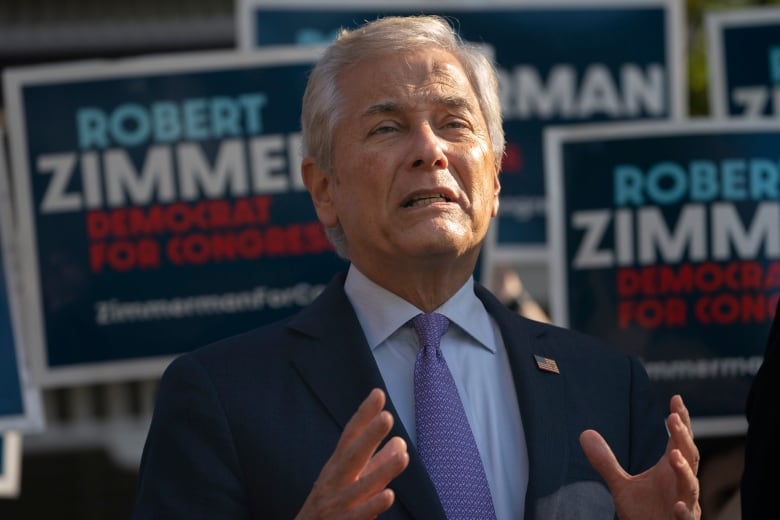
456 124
384 129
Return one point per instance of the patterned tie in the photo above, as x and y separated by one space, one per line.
444 438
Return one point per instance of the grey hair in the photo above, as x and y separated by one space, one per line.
322 102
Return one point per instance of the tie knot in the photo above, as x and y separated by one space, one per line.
430 327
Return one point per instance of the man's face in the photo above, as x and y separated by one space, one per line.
414 174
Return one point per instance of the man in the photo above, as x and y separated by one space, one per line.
403 139
762 453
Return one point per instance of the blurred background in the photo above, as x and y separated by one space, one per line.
84 464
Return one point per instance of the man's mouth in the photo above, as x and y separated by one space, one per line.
425 200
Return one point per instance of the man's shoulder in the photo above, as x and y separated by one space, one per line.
273 342
323 309
561 340
256 346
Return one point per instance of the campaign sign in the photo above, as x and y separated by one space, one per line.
10 463
11 400
161 206
20 406
665 243
559 62
743 59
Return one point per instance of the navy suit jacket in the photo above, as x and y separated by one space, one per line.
242 428
762 453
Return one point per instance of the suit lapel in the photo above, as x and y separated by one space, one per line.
540 395
341 371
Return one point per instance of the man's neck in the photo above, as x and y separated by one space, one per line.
426 286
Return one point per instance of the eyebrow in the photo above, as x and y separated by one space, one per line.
392 107
387 107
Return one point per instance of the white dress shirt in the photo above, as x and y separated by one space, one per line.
477 358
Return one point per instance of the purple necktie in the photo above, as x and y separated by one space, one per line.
444 438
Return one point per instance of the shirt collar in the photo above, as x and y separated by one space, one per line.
381 313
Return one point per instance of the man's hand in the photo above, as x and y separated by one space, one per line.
668 490
353 483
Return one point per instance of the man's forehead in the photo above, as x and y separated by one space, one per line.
413 68
403 82
436 71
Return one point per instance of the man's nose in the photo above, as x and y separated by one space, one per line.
428 149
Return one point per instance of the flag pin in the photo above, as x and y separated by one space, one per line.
546 364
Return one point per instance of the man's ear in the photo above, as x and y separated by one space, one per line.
496 192
319 184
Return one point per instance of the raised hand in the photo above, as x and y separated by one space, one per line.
668 490
353 482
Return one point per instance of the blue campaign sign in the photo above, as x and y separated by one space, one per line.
559 62
20 406
11 403
743 59
161 206
666 244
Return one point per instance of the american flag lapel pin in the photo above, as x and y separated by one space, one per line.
546 364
